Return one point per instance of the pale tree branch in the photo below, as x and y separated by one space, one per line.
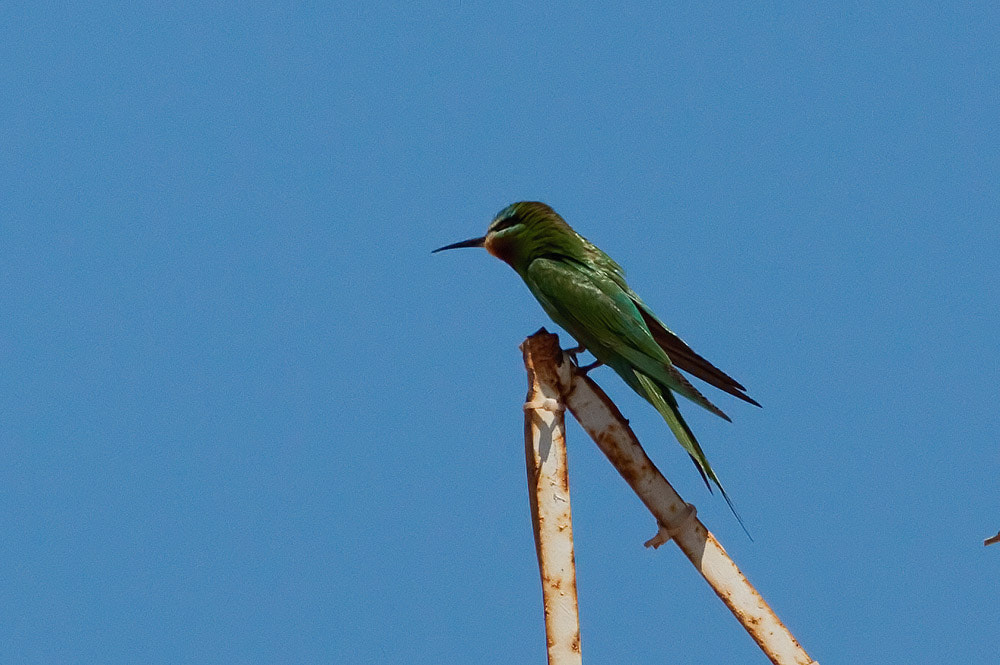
548 493
559 382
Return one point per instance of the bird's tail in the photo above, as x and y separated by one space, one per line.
664 401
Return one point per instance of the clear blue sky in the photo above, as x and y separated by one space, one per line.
247 417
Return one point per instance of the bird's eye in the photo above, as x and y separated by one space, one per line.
504 224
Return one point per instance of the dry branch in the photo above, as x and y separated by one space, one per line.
561 382
548 491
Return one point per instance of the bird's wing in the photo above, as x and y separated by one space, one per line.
603 317
684 357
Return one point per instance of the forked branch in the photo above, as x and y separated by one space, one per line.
560 382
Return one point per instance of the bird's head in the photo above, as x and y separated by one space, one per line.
523 231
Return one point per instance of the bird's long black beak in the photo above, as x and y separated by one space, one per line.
473 242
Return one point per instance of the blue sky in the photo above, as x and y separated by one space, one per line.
247 417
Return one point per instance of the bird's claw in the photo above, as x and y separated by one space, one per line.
577 350
664 533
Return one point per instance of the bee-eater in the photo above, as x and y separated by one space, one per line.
584 291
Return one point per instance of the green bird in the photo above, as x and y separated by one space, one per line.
584 291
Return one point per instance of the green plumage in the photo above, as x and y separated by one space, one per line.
584 291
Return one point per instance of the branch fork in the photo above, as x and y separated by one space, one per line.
553 382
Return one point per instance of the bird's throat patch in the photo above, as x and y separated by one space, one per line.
499 248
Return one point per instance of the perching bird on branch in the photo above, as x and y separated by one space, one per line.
584 291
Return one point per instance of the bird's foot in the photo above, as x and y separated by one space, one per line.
577 350
665 533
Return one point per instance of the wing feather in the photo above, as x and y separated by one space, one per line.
603 317
684 357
